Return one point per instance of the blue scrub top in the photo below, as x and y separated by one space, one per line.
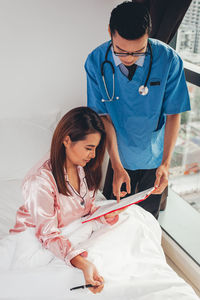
139 120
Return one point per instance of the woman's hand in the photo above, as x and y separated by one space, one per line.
90 273
92 277
113 217
114 214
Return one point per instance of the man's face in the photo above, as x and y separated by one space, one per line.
121 45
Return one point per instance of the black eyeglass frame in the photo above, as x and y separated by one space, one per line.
134 54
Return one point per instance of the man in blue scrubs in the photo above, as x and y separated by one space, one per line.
141 127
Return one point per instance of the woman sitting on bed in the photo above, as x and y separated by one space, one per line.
58 192
62 189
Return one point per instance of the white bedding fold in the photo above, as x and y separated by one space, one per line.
128 255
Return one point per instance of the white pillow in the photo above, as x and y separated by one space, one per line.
23 143
10 200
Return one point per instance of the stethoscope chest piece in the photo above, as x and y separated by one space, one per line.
143 90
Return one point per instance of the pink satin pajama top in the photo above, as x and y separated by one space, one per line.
47 210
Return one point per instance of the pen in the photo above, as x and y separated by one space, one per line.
81 287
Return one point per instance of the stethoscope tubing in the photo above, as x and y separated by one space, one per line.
106 61
107 93
150 65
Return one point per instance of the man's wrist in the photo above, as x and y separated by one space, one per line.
166 163
116 165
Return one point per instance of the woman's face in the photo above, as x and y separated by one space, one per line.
81 152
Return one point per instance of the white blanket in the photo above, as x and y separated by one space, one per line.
128 255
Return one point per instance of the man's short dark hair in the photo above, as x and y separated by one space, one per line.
131 20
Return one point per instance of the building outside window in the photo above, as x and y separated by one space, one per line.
185 166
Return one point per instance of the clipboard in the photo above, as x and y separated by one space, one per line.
125 202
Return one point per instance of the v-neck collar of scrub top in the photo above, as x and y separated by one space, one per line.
122 67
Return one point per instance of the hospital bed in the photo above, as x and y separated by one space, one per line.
128 255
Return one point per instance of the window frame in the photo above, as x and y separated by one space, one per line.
190 75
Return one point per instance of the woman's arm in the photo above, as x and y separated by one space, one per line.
90 273
41 200
107 219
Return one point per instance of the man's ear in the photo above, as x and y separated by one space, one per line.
66 141
109 31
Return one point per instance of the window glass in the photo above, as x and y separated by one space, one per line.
188 37
185 165
181 218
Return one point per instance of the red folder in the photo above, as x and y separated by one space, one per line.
125 202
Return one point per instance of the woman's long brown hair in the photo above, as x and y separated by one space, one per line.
77 124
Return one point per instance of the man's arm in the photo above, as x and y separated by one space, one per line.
171 132
120 175
94 97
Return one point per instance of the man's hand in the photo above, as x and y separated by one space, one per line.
171 132
120 177
161 179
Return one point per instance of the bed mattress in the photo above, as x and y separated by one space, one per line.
128 255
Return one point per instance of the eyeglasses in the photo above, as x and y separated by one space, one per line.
134 54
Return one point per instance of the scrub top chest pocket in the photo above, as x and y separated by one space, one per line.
156 94
154 83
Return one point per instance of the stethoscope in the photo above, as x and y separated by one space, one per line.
143 89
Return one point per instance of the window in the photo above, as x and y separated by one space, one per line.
181 219
185 166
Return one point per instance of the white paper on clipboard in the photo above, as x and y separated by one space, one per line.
108 208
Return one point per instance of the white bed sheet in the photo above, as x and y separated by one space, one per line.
128 255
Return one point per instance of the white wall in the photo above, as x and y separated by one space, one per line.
43 47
